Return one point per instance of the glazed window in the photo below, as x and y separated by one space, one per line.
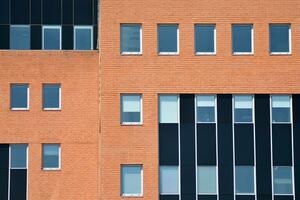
281 109
168 109
83 36
205 39
131 180
131 107
20 37
169 180
243 109
51 156
280 38
51 97
168 39
51 37
18 156
207 179
283 181
206 108
244 179
19 97
242 39
131 39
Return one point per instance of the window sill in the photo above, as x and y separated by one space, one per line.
131 124
51 169
52 109
205 53
243 53
131 195
19 109
131 53
168 53
280 54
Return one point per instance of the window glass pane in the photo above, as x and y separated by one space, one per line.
19 96
83 38
281 108
19 37
283 183
244 179
18 153
51 156
279 38
131 108
168 109
242 38
131 180
130 38
51 38
243 108
207 180
205 38
167 38
51 94
205 108
169 183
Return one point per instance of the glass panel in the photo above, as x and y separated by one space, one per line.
283 183
131 180
51 156
206 179
205 38
243 108
167 38
130 38
244 179
20 37
242 38
281 108
205 108
19 94
51 96
18 155
51 38
131 108
168 109
169 183
279 38
83 38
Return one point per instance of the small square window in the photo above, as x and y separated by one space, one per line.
206 109
51 156
19 97
18 156
83 37
168 109
131 42
51 37
244 180
243 109
131 180
281 109
205 39
51 97
283 181
131 109
169 180
242 39
280 38
20 37
168 39
207 179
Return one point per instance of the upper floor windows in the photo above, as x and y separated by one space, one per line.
131 109
243 109
168 39
205 39
206 105
131 180
18 156
281 109
280 39
207 180
131 39
83 37
168 180
19 97
51 156
282 180
20 37
51 97
168 108
52 37
242 39
244 180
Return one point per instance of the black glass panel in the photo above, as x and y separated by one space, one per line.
4 156
244 144
131 117
282 144
83 12
263 180
4 36
226 180
188 181
18 183
224 108
169 197
226 197
187 143
245 197
225 149
36 11
264 197
4 10
95 32
20 11
297 180
36 37
67 37
296 108
4 165
67 7
52 12
206 144
283 198
207 197
296 131
187 109
95 12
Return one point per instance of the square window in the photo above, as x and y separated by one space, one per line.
131 109
243 109
283 181
205 39
280 38
242 39
131 42
168 39
51 37
18 156
244 179
207 179
83 36
51 156
19 97
168 109
281 109
20 37
51 97
131 180
169 180
206 109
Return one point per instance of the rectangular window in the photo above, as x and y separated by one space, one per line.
244 180
242 39
83 37
207 179
18 156
168 39
243 109
168 109
51 37
205 39
51 97
131 180
169 180
280 38
19 97
283 181
131 39
281 109
20 37
206 108
51 156
131 107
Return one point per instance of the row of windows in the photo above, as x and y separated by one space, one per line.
205 39
243 105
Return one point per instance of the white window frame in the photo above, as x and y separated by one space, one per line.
20 109
215 41
60 36
141 40
92 39
292 178
178 40
49 109
19 26
141 110
252 40
216 173
291 111
142 180
290 39
253 109
59 158
215 108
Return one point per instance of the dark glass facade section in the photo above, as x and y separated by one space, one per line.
169 197
4 36
95 40
67 37
283 198
244 144
18 183
297 181
168 144
4 171
282 144
264 197
36 12
296 131
207 197
245 197
67 12
52 11
95 12
20 11
206 144
4 10
36 37
225 197
83 12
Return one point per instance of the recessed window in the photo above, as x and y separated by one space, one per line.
242 39
281 109
83 36
280 38
244 179
169 180
52 37
131 180
206 108
283 181
168 39
18 156
205 39
20 37
51 156
51 97
19 97
131 109
131 39
207 179
243 108
168 109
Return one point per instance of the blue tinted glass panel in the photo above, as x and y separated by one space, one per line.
19 96
242 38
131 180
130 38
18 153
283 183
51 156
167 38
205 38
244 179
52 38
19 37
279 38
83 38
51 96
